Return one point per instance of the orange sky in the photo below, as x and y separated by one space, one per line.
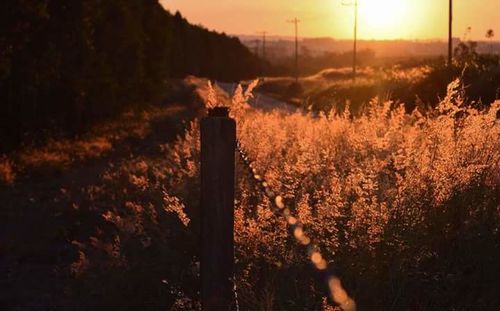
379 19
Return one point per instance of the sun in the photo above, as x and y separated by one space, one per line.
382 18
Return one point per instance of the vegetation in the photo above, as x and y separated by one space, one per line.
64 65
309 64
334 88
395 177
83 228
416 83
404 205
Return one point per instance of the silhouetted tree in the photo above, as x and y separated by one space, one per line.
65 64
489 35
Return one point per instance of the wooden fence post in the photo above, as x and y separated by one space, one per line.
218 143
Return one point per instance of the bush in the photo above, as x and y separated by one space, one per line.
403 205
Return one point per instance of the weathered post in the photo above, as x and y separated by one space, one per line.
218 143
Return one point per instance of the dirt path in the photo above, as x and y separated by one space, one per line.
260 101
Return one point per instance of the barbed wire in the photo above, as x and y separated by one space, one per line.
235 290
278 207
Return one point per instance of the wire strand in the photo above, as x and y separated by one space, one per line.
334 285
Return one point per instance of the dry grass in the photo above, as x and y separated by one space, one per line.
7 171
332 88
57 155
400 203
404 205
112 226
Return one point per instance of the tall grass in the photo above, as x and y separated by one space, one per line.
59 153
405 205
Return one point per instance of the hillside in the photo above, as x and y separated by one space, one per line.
65 65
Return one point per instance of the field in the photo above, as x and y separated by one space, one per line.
403 206
414 83
86 222
331 88
371 187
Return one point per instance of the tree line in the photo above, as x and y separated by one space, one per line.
65 64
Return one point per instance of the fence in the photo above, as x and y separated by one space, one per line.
218 146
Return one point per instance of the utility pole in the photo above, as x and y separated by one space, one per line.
296 22
263 33
354 56
355 48
450 34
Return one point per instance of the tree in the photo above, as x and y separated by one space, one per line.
489 35
67 64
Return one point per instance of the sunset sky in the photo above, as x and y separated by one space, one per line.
379 19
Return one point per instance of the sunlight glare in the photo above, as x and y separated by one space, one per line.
383 18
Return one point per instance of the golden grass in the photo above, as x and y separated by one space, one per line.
58 154
378 193
336 85
7 171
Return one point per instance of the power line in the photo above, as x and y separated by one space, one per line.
296 22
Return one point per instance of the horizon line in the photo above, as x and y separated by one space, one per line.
292 38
